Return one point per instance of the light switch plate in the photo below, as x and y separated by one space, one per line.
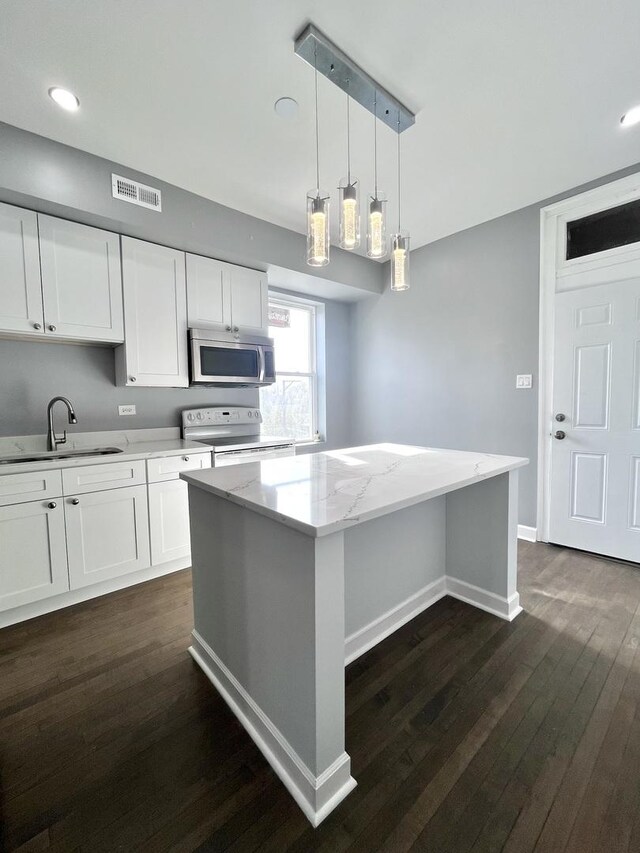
524 380
129 409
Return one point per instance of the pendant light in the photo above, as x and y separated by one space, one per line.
317 205
376 236
349 199
399 245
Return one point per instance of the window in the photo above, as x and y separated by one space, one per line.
607 229
290 406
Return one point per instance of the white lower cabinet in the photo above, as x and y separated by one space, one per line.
33 553
169 521
107 534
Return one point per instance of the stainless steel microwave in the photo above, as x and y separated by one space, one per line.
230 360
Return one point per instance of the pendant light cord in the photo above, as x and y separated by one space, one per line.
375 145
348 139
315 66
398 172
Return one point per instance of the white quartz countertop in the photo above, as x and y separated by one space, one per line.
321 493
134 444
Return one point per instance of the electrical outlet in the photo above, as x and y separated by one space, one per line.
524 380
129 409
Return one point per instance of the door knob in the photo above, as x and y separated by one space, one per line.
560 417
560 434
75 501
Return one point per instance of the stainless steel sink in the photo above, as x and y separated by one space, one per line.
61 454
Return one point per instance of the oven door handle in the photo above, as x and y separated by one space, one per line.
262 365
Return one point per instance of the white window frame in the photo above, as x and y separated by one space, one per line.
313 308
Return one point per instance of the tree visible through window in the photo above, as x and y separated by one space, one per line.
289 406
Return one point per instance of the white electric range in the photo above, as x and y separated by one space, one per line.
234 434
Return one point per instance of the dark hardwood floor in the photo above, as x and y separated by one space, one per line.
466 733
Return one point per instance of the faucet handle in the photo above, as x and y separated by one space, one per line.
62 440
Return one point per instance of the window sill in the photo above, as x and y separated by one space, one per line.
313 442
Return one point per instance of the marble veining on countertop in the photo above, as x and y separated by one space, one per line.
134 444
321 493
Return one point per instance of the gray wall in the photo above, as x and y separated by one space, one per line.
437 365
47 176
33 372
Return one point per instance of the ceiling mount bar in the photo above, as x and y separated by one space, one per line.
315 48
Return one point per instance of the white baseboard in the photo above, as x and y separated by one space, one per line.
317 796
76 596
505 608
361 641
530 534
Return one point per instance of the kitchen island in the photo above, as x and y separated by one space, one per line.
302 564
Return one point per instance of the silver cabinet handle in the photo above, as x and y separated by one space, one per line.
132 379
52 504
52 328
185 458
236 329
37 326
75 501
228 328
560 434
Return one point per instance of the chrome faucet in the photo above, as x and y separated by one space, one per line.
54 440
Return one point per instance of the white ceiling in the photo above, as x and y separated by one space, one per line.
516 100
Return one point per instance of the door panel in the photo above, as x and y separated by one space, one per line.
20 290
33 553
207 293
169 521
155 304
107 534
81 281
248 299
591 393
594 479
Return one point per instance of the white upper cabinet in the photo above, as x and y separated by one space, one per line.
206 286
226 297
81 281
155 310
20 290
248 299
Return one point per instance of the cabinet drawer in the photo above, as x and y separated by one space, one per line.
29 486
169 467
96 478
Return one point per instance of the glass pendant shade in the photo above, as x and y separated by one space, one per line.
317 228
376 227
400 250
349 214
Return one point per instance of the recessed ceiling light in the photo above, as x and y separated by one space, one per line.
631 117
286 107
64 98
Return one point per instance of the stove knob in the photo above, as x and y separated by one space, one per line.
250 414
190 416
257 414
200 416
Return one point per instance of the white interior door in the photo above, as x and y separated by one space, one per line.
595 451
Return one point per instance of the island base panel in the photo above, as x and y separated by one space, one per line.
269 633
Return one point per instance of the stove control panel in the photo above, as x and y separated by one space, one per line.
220 416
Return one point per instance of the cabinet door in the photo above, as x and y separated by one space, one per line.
249 300
207 294
107 534
169 521
81 281
20 291
155 309
33 554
